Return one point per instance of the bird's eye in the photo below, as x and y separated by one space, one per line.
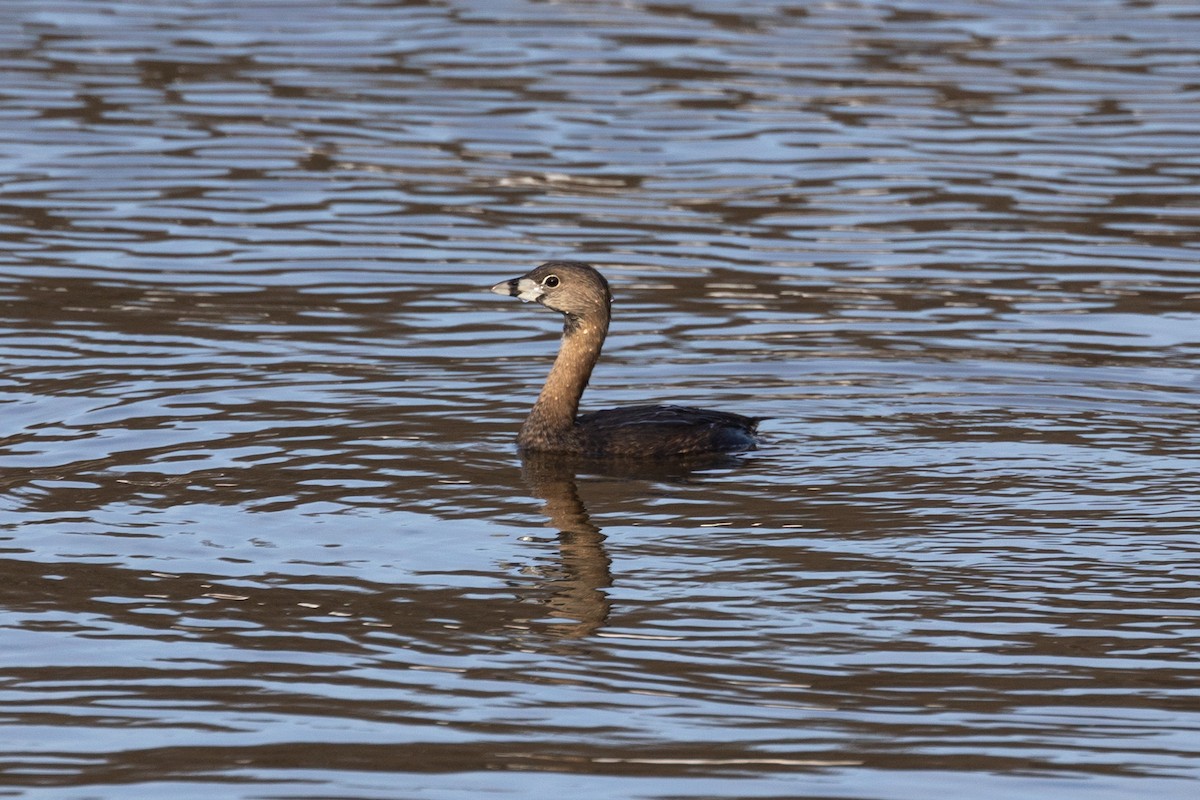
550 281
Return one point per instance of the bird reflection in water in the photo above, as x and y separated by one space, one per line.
577 589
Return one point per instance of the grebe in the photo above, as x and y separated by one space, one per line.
580 293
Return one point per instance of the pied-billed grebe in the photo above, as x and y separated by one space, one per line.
581 295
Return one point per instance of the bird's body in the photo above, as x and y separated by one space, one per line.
581 295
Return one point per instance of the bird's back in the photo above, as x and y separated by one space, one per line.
658 431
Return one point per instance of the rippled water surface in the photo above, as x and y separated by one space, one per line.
264 531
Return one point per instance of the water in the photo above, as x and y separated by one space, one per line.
264 533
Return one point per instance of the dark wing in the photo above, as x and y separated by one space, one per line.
658 431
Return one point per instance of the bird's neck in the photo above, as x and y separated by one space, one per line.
554 412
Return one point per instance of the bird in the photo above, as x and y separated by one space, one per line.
581 294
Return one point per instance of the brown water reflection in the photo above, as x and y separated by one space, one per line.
263 531
585 573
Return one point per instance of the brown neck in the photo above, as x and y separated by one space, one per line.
556 407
